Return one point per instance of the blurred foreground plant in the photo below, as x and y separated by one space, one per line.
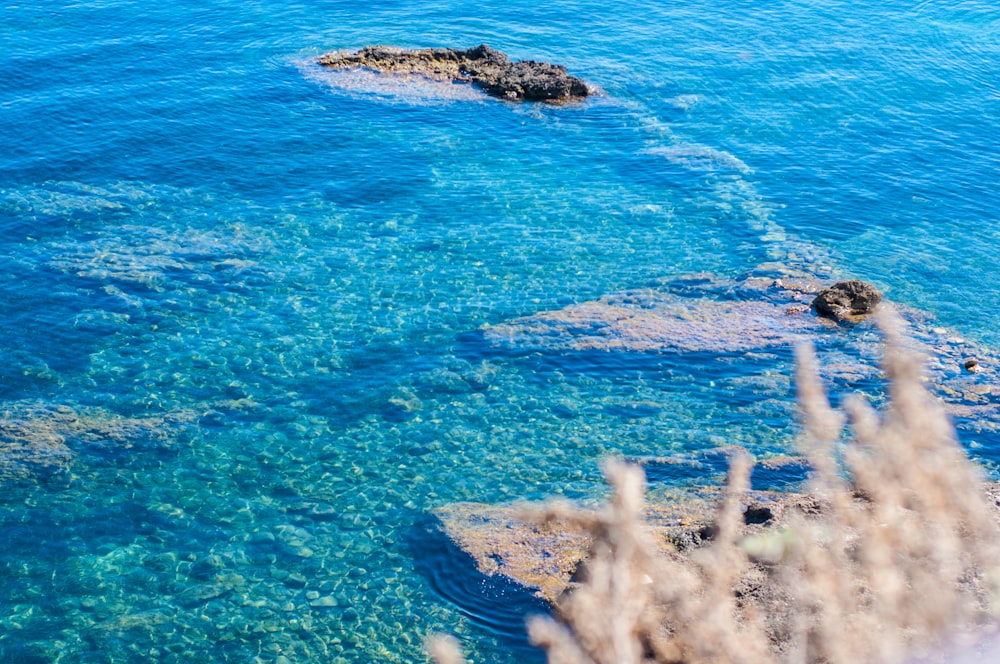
900 554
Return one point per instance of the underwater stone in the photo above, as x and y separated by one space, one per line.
143 620
402 405
200 594
41 439
296 580
206 568
847 301
326 602
651 321
486 68
444 381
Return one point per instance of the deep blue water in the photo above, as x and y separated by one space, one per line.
242 298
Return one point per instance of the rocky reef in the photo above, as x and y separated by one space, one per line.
546 557
486 68
39 439
762 312
649 320
688 313
550 556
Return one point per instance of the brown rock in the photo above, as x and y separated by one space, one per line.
505 539
486 68
847 301
40 439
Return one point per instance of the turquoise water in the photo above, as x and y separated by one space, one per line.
243 298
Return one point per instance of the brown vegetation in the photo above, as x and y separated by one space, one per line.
900 557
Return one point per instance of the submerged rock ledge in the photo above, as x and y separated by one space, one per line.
705 313
486 68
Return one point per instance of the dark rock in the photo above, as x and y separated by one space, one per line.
206 568
758 514
971 364
486 68
847 301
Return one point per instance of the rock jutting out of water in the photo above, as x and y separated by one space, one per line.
486 68
847 301
546 556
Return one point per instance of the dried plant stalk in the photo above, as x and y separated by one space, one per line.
444 649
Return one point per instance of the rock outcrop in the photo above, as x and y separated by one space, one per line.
707 314
847 301
486 68
546 557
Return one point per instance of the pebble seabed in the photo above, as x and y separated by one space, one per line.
252 489
224 478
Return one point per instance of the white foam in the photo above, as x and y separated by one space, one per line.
701 158
409 88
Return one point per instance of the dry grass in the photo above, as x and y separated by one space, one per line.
902 555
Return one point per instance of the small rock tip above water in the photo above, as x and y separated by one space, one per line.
847 301
487 68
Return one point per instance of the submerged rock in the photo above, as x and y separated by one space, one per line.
847 301
652 321
486 68
38 439
769 309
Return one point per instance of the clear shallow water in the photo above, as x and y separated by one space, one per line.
241 298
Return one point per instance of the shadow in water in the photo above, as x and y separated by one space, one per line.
493 603
789 475
711 466
18 653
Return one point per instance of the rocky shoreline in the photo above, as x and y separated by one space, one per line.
546 557
486 68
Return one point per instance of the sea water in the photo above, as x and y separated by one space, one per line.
242 303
